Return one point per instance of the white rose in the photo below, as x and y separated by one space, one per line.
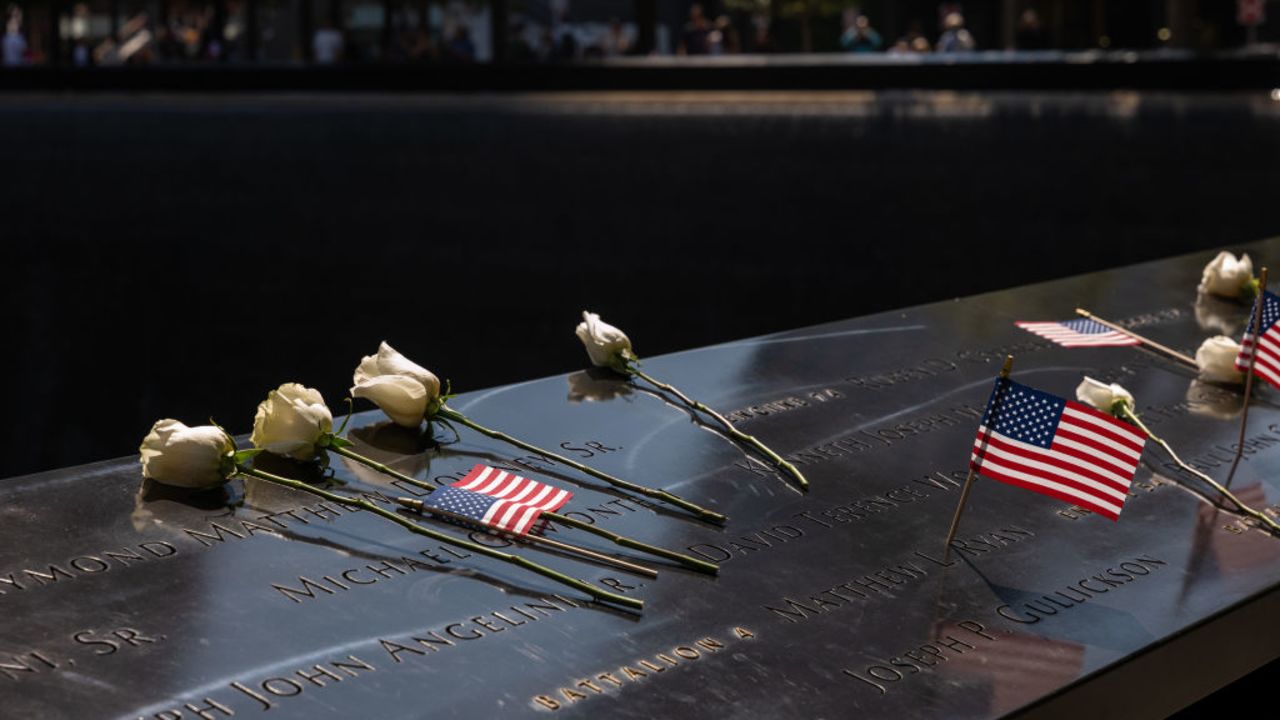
192 457
606 345
1104 397
404 390
291 421
1216 359
1226 275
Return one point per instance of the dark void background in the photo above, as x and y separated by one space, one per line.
179 255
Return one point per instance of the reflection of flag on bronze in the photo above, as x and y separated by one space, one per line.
1235 552
1079 333
499 499
1018 669
1057 447
1267 366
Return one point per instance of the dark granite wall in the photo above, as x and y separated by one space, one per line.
180 255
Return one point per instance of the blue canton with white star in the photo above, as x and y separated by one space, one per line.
1023 414
1270 312
1086 326
460 502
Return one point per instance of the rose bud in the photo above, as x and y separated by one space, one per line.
1107 398
291 421
406 391
607 346
191 457
1216 359
1228 276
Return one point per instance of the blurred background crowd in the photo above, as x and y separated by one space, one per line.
207 197
735 165
329 32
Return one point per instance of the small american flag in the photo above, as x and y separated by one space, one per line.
499 499
1267 366
1078 333
1057 447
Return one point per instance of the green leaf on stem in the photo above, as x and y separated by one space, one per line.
333 440
351 410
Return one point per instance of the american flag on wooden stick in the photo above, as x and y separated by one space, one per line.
499 499
1057 447
1267 366
1079 333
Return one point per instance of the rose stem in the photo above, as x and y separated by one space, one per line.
413 527
728 426
662 495
621 540
1260 516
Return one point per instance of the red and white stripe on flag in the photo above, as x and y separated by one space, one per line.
517 496
1090 461
1078 333
1267 364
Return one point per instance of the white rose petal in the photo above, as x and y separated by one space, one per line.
1216 359
1103 396
175 454
291 421
607 346
403 389
1226 275
402 398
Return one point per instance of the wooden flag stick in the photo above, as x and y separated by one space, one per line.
1248 378
968 481
1145 341
422 507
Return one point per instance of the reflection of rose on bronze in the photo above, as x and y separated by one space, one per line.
1221 316
1212 400
150 491
390 439
266 496
597 385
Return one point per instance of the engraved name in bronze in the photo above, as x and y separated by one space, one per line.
1029 612
726 548
782 405
891 580
968 636
81 566
871 439
637 670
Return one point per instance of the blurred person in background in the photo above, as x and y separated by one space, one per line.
762 42
14 45
955 38
461 49
546 50
1030 33
615 42
723 39
519 49
859 36
913 42
694 37
168 48
327 45
81 55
